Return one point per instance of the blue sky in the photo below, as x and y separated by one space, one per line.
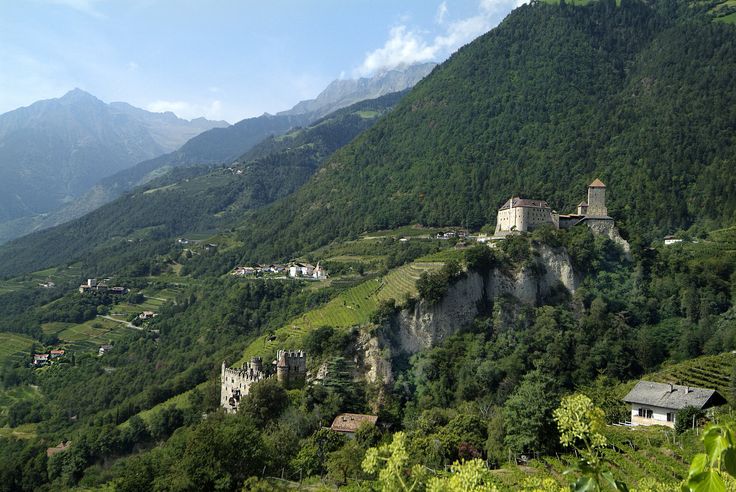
221 59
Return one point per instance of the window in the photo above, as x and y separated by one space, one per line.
649 413
670 417
641 412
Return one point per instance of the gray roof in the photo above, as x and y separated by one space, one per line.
523 202
673 396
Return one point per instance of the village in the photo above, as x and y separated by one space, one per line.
294 270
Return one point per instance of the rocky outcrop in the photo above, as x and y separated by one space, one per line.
608 228
425 324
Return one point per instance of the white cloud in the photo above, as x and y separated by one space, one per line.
403 47
441 12
184 109
407 45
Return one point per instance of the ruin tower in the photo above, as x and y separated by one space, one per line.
235 383
597 199
291 367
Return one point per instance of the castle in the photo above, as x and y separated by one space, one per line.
291 371
522 214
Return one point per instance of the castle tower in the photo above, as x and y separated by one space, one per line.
597 199
256 364
291 367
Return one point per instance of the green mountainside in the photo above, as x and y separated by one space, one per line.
192 200
540 106
467 353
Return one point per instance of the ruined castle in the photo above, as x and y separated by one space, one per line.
290 367
522 214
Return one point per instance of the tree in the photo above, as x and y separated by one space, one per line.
528 415
345 462
266 400
687 418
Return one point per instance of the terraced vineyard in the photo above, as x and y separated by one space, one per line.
705 372
14 346
633 454
87 336
351 308
57 275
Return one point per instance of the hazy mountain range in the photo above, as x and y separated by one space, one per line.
54 150
62 158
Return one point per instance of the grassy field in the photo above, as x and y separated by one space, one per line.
13 346
124 310
351 308
25 431
180 401
57 275
87 336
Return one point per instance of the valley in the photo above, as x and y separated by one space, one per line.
396 285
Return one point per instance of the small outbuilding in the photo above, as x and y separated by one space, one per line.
657 403
349 423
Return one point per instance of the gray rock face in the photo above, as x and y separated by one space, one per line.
426 324
343 93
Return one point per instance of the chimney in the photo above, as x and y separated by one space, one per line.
672 388
687 389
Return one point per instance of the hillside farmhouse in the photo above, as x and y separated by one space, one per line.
657 403
523 214
349 423
290 367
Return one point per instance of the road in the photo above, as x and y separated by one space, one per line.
126 323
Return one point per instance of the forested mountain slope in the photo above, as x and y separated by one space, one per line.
196 199
541 105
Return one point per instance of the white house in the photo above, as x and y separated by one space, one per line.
657 403
301 270
668 240
319 273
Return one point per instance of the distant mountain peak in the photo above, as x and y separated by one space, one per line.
341 93
77 95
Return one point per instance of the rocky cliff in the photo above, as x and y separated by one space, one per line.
425 324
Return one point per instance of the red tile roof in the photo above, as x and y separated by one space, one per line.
350 422
597 183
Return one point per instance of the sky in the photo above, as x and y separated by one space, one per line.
221 59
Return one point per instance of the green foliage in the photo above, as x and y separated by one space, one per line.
707 470
391 463
433 286
580 424
265 401
527 414
688 418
